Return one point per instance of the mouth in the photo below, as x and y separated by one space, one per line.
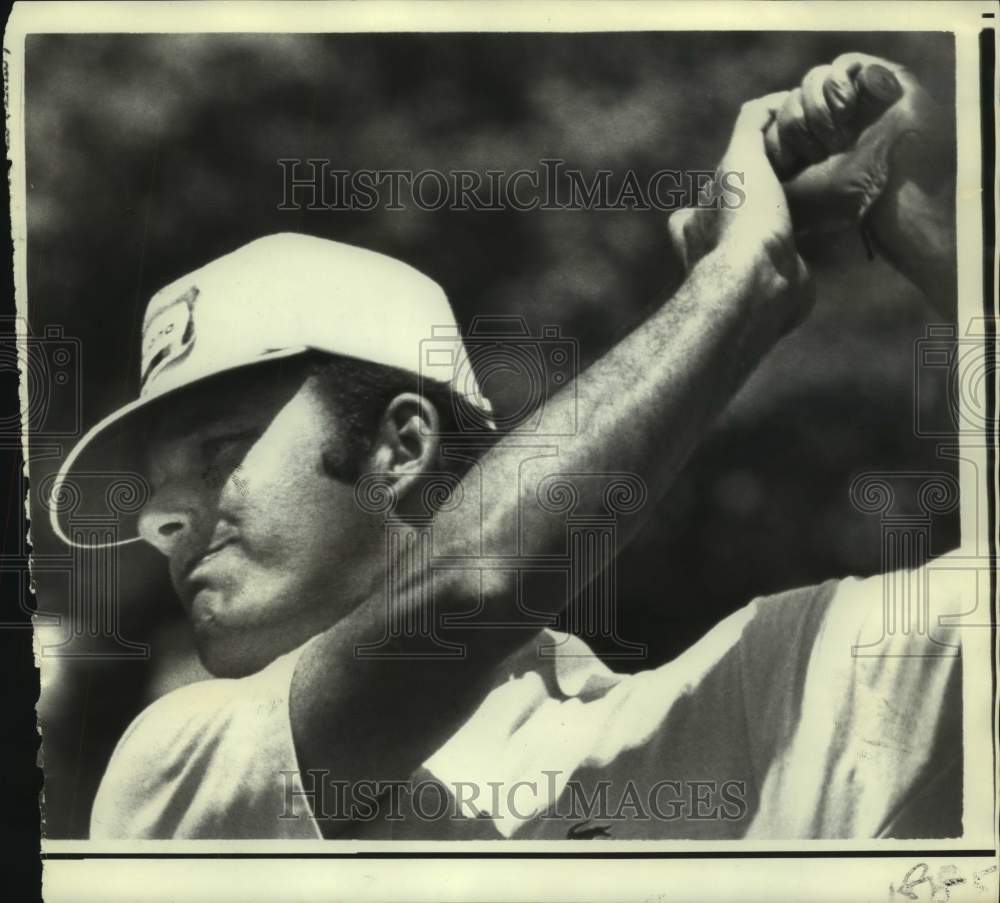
192 583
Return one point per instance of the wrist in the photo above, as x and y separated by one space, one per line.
767 286
914 230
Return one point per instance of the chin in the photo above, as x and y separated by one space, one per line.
242 651
231 656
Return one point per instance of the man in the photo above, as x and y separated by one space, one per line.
280 397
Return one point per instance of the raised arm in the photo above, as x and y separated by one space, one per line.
641 408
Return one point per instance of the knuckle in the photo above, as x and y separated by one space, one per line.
817 110
840 96
815 77
758 110
852 60
791 115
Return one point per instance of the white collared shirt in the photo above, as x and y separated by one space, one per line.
770 726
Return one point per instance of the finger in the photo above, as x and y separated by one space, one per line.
816 206
746 147
819 116
757 114
676 228
841 88
840 94
794 133
852 63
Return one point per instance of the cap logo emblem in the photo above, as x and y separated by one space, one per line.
169 335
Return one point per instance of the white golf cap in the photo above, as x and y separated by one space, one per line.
273 298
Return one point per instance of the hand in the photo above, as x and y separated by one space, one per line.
896 176
755 235
858 160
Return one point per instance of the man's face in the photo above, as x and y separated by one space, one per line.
264 548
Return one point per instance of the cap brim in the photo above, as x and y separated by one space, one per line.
109 462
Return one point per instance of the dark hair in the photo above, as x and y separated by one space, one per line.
358 392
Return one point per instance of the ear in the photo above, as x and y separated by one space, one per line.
406 442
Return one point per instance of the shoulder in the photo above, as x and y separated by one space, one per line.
180 725
848 699
201 760
160 751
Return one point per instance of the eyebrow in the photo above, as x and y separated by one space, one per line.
185 422
231 398
180 427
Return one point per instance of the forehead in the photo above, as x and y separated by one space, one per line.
252 394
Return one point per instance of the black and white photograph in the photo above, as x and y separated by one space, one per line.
457 430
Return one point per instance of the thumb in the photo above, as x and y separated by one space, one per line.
757 114
747 149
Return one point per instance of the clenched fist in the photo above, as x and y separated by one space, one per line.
846 155
858 152
894 174
754 237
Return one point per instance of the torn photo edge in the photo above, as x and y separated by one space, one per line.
620 869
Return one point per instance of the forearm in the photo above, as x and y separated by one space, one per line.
914 229
640 409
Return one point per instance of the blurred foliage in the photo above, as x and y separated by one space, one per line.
148 155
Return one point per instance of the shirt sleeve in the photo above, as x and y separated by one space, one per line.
213 759
854 702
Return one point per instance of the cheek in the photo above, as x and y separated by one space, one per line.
284 461
282 500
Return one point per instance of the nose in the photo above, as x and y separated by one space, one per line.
167 519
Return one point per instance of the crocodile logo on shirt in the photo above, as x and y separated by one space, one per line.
588 830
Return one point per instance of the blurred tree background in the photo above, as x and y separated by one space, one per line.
148 155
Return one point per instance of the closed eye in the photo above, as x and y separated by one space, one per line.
223 446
